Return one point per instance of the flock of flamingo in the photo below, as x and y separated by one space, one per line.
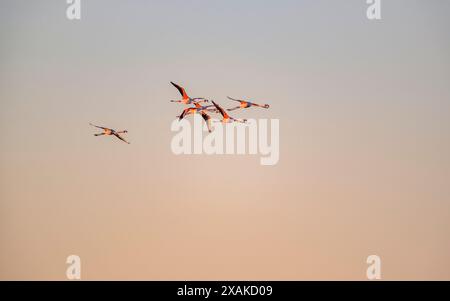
214 108
203 110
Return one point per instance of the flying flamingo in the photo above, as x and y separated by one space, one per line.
109 132
226 118
246 104
186 99
192 110
197 109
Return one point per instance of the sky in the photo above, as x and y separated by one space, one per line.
363 108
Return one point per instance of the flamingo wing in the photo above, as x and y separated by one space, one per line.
222 111
235 108
100 127
234 99
183 114
181 90
207 119
121 138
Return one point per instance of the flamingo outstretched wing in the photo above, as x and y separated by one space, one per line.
207 119
183 113
121 138
181 90
99 127
234 99
221 111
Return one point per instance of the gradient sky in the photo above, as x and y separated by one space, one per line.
364 109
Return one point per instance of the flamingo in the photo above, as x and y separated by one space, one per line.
226 118
186 99
109 132
197 109
246 104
